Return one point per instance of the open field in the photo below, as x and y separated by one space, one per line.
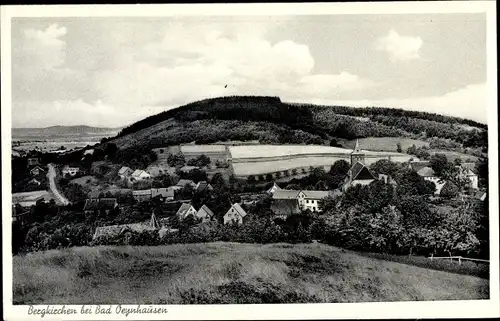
27 199
450 155
388 144
228 273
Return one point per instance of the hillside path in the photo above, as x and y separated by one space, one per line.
53 187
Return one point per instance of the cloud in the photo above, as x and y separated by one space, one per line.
399 47
469 102
44 48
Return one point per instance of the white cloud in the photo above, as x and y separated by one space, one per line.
44 48
400 47
469 102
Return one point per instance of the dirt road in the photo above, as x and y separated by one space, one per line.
53 187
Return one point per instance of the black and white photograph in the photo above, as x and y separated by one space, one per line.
184 155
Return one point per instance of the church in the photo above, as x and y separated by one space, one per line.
359 173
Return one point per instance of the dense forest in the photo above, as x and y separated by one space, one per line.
269 120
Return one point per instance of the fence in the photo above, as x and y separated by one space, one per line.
459 258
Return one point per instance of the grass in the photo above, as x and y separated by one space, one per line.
386 144
228 273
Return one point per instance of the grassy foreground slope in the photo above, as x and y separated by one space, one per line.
228 273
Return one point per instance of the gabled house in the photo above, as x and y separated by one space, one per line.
203 186
467 170
106 204
166 193
309 200
142 195
185 210
285 194
358 174
283 208
235 214
205 214
124 172
37 170
183 182
70 171
139 175
273 189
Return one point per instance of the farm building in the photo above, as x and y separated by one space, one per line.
166 193
183 182
205 214
282 208
142 195
203 186
428 174
124 172
185 210
139 175
106 204
309 200
235 214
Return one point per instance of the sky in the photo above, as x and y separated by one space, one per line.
111 72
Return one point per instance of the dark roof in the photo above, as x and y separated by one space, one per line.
315 194
285 207
360 171
203 185
285 194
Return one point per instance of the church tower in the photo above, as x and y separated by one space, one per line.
357 155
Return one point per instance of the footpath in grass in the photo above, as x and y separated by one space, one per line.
216 273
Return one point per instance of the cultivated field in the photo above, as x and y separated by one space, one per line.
388 144
228 273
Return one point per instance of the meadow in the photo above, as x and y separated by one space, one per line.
216 273
387 144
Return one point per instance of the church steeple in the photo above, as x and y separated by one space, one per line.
357 155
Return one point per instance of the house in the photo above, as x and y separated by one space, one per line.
418 165
71 171
139 175
205 214
480 196
124 172
283 208
166 193
273 189
37 170
285 194
183 182
185 210
429 175
106 204
203 186
467 170
358 174
309 200
235 214
387 179
33 161
88 152
142 195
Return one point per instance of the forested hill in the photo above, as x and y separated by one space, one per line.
269 120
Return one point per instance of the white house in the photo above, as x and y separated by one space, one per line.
205 214
139 175
467 170
185 210
71 171
235 214
429 175
125 172
309 200
273 189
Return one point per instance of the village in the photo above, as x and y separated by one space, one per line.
151 185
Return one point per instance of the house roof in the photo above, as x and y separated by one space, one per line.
480 195
360 171
315 194
237 207
138 173
141 192
205 209
165 192
273 188
115 230
37 167
285 207
203 185
416 166
426 172
188 168
471 166
184 182
123 170
185 207
285 194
